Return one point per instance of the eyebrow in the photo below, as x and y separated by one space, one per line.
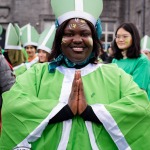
71 30
123 34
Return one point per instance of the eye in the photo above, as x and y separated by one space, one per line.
117 36
125 36
85 34
69 34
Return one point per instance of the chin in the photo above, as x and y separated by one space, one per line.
122 47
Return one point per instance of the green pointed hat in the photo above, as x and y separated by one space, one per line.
18 30
29 36
145 43
12 38
86 9
46 39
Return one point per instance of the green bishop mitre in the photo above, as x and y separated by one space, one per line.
18 30
12 40
86 9
1 29
46 39
145 43
29 36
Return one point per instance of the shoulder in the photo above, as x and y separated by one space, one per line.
1 58
4 64
40 67
36 71
111 69
143 59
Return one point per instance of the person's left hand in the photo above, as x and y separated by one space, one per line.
82 104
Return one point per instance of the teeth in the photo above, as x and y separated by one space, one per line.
77 48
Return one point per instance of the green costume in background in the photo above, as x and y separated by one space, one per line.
123 109
20 69
138 68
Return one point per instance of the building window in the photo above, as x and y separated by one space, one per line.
108 33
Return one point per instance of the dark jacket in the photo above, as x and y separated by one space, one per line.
7 78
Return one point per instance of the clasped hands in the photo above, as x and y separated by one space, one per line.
77 101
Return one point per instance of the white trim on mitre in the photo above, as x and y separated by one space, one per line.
44 48
145 41
30 43
12 47
78 5
7 34
76 14
49 34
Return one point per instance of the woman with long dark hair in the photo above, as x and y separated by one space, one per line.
128 54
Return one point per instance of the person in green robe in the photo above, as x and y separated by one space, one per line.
128 55
74 102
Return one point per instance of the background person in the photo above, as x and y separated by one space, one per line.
7 79
110 53
128 54
13 46
29 39
45 44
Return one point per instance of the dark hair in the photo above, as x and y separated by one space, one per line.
0 50
56 48
134 50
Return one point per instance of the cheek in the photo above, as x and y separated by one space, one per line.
44 55
89 41
39 54
33 51
128 42
64 41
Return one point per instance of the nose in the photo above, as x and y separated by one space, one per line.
39 54
121 39
28 49
77 39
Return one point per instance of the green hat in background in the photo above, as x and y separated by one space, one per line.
145 43
1 29
86 9
18 30
29 36
12 40
46 39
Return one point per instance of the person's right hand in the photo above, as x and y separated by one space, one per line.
77 101
73 98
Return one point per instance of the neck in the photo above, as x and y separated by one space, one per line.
31 58
124 52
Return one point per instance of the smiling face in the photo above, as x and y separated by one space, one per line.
31 51
123 39
77 42
43 56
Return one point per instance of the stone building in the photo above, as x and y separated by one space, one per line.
40 15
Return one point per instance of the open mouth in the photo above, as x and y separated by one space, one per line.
77 49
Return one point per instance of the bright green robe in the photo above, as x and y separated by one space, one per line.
20 69
139 68
37 96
